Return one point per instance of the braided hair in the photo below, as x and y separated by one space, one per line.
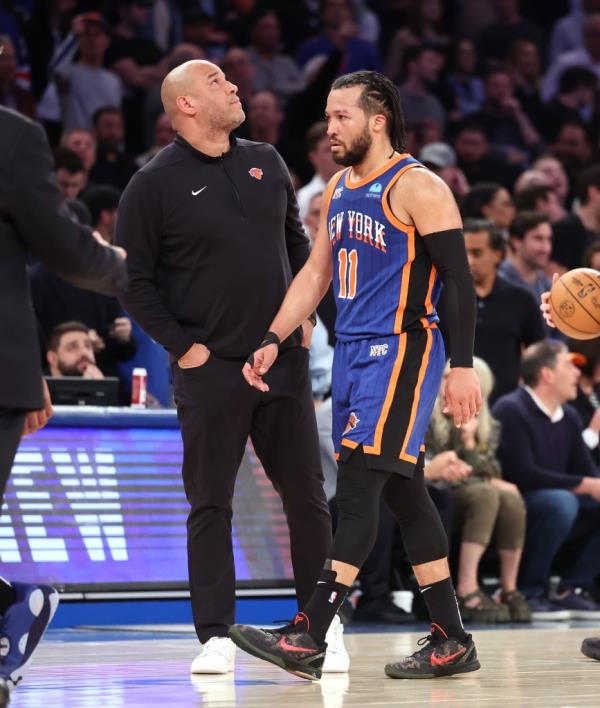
379 95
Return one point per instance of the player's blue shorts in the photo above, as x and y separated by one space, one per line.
383 392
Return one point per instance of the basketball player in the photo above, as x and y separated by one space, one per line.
391 232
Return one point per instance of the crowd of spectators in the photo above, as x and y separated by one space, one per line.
501 99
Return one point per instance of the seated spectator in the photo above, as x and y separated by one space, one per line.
575 101
56 301
574 148
70 351
339 33
530 248
11 94
70 172
510 25
199 28
85 85
508 317
477 161
555 173
441 158
541 198
484 505
239 68
422 69
113 165
586 356
578 230
319 154
489 200
163 136
506 124
83 143
567 32
264 118
524 65
441 471
102 200
274 71
138 62
425 26
542 452
586 55
465 85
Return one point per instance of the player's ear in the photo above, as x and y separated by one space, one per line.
378 123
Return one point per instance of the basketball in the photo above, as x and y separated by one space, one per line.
575 303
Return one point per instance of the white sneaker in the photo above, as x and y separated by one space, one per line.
217 657
337 660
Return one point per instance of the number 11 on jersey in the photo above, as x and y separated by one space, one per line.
348 265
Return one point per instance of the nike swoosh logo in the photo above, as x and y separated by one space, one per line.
441 660
286 646
197 192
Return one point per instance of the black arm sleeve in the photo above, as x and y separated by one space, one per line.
447 252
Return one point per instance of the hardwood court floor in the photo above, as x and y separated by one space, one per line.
520 667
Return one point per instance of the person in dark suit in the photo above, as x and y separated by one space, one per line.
33 220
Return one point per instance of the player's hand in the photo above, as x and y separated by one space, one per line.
258 364
307 333
121 329
197 355
545 306
34 420
462 395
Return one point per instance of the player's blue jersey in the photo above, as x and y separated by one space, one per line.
383 278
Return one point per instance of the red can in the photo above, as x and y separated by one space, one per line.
139 388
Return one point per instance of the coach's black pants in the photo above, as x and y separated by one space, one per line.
217 412
11 427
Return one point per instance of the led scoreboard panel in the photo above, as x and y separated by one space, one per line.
96 499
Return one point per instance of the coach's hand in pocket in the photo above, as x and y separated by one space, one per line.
197 355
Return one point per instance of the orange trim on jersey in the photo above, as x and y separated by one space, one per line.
413 413
336 455
329 190
372 175
428 302
385 203
350 443
375 449
405 278
422 448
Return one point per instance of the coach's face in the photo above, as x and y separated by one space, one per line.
216 98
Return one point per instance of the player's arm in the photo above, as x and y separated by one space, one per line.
304 294
428 203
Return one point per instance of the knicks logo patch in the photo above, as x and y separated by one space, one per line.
255 172
353 421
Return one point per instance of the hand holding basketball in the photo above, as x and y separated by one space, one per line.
574 303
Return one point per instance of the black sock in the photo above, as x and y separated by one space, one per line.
8 596
325 601
440 599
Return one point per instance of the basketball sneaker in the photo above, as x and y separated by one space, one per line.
291 647
22 627
591 648
441 656
217 657
337 660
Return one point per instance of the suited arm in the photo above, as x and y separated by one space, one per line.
31 199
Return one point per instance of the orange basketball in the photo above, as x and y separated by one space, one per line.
575 303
